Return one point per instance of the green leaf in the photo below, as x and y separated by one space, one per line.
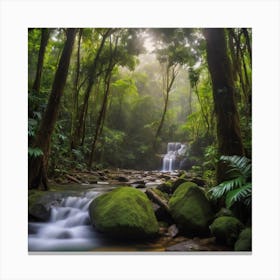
238 195
35 152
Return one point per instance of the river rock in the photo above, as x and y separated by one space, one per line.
191 210
122 179
173 231
177 183
39 204
124 213
166 187
244 241
226 230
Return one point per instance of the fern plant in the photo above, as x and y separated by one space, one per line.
238 187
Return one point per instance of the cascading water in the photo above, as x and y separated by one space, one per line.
169 162
68 228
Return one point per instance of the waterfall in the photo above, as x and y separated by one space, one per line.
170 162
69 227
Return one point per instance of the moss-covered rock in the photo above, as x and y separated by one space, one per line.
166 187
177 183
191 210
161 194
124 213
226 230
244 241
223 212
40 202
36 209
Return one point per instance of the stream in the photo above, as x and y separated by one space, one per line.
69 228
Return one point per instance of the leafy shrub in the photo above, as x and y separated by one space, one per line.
238 187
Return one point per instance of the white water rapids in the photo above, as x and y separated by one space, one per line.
68 229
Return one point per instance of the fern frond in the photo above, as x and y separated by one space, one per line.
239 166
240 194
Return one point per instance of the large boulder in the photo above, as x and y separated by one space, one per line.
226 230
244 241
124 213
191 210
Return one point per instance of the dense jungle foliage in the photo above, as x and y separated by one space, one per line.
114 97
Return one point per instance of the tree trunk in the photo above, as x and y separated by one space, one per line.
228 126
76 87
44 41
102 113
170 78
248 43
82 116
37 172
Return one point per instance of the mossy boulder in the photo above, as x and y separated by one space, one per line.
161 194
223 212
124 213
191 210
177 183
244 241
166 187
37 210
226 230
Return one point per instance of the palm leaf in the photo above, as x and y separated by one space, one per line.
238 186
240 194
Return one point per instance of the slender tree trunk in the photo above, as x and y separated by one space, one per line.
37 172
82 116
45 33
248 43
170 78
76 88
202 109
102 113
228 125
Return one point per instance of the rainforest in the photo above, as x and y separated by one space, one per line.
139 139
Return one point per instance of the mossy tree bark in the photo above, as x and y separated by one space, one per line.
45 33
37 171
228 124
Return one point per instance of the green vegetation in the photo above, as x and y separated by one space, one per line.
125 213
244 242
226 229
238 187
190 209
105 100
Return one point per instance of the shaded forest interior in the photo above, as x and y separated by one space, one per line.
140 138
113 98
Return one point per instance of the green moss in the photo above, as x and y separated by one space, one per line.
166 187
161 194
226 230
34 197
178 182
223 212
125 213
190 209
244 242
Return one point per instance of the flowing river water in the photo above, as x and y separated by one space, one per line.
69 229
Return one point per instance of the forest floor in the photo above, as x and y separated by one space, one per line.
123 177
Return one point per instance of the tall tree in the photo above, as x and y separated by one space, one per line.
102 113
80 124
37 172
170 71
228 125
45 33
